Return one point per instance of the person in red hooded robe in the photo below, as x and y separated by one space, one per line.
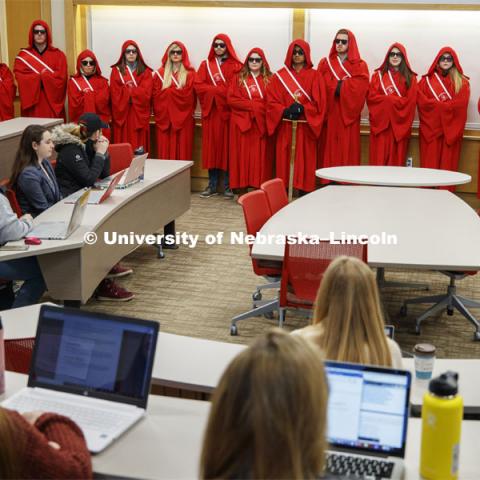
174 104
443 94
250 146
211 83
7 93
391 101
346 78
131 94
88 91
41 73
296 92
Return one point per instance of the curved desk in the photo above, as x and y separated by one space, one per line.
73 269
393 176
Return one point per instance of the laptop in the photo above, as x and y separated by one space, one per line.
94 368
97 196
133 174
62 230
368 409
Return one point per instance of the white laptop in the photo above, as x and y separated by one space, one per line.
62 230
97 197
94 368
131 175
368 409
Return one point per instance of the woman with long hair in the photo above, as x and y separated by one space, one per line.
347 322
131 95
268 413
391 101
251 151
174 104
443 94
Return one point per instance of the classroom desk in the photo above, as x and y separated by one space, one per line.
167 443
72 268
10 133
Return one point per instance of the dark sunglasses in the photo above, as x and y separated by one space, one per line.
176 52
255 60
339 41
219 45
395 54
86 63
39 32
298 51
446 58
131 50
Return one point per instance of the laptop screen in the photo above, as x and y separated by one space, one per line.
368 408
101 356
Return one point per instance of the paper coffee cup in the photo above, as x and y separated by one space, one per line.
424 358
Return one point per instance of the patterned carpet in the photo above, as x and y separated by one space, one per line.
196 291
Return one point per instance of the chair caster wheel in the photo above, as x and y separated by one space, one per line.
233 330
449 311
257 296
476 336
268 315
417 329
403 310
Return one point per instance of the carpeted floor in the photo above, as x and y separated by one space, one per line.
196 291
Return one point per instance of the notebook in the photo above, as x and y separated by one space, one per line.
97 196
368 411
62 230
94 368
131 175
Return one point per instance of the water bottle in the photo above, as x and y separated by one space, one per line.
409 162
442 414
2 360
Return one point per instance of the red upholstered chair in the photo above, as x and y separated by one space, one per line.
256 212
121 155
12 197
18 354
276 194
303 269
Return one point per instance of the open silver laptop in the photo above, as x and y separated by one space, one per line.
62 230
132 174
368 409
97 196
95 369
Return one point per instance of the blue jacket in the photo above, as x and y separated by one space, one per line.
35 193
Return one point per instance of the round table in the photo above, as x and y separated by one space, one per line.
393 176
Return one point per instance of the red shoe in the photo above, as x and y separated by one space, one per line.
119 270
108 290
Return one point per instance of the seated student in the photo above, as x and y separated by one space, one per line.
347 321
268 413
25 269
42 445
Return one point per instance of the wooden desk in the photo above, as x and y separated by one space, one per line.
10 133
72 268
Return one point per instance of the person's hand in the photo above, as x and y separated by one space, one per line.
101 145
27 218
130 84
32 417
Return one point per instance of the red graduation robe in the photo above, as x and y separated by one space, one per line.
391 106
7 93
340 143
443 114
211 89
131 95
89 94
41 78
310 91
174 108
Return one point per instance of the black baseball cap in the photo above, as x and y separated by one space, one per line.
93 122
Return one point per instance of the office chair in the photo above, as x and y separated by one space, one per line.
121 155
303 269
11 196
256 212
18 354
449 301
276 194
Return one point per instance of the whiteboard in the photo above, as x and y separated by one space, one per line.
423 32
154 28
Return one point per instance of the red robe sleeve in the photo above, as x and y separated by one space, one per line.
29 84
55 84
205 89
83 101
120 95
353 92
277 101
241 106
141 97
7 93
316 109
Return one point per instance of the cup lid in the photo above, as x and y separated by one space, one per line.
424 348
445 385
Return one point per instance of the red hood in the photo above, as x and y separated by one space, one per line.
353 54
46 27
305 47
185 58
443 50
404 53
260 52
85 54
226 39
122 53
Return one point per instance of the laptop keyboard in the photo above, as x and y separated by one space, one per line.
357 467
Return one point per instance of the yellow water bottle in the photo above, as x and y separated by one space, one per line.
442 414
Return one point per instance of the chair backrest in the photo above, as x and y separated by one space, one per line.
304 266
276 194
121 155
18 354
11 196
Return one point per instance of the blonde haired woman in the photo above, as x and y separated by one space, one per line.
268 413
174 104
347 321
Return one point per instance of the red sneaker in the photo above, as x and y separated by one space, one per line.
119 270
108 290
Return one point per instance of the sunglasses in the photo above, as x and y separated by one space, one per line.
219 45
298 52
86 63
255 60
39 32
131 50
176 52
339 41
395 54
446 58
